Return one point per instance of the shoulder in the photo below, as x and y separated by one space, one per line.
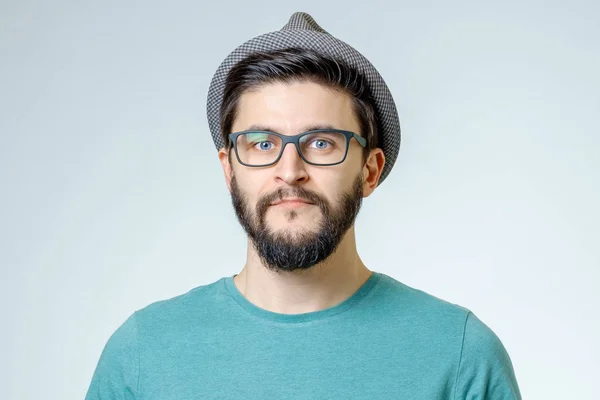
480 338
118 369
200 299
485 368
418 304
155 315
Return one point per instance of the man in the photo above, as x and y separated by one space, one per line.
305 128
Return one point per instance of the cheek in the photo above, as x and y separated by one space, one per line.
250 185
334 179
332 189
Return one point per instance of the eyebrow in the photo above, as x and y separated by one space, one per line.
307 128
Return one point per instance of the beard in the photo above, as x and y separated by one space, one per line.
285 251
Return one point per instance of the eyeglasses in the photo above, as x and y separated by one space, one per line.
322 147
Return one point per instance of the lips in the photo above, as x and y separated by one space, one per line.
290 201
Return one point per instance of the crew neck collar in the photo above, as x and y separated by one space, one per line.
262 313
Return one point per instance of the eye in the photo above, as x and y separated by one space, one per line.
264 145
321 144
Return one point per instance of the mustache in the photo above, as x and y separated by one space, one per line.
297 192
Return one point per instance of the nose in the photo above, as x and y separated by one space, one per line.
291 168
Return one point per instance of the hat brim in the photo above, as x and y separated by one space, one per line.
389 137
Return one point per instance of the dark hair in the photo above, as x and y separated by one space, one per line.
295 64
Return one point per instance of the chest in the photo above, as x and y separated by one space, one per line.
315 365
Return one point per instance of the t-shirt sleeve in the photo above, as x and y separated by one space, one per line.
485 370
117 371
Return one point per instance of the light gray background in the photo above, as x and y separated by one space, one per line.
113 197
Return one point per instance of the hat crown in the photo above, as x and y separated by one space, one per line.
301 21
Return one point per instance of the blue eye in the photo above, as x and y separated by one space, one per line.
321 144
265 145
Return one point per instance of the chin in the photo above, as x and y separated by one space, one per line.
298 221
293 229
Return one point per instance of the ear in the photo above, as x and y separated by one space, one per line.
372 171
227 168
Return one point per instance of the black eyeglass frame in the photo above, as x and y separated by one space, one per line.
295 139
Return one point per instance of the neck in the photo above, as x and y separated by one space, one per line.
322 286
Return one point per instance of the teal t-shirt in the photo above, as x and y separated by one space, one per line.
386 341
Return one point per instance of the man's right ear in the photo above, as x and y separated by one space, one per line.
227 169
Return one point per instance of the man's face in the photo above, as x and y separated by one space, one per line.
292 236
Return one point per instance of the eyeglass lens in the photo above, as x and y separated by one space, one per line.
260 148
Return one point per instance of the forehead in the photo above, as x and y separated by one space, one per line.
292 107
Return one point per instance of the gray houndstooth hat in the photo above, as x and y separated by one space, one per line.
302 31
